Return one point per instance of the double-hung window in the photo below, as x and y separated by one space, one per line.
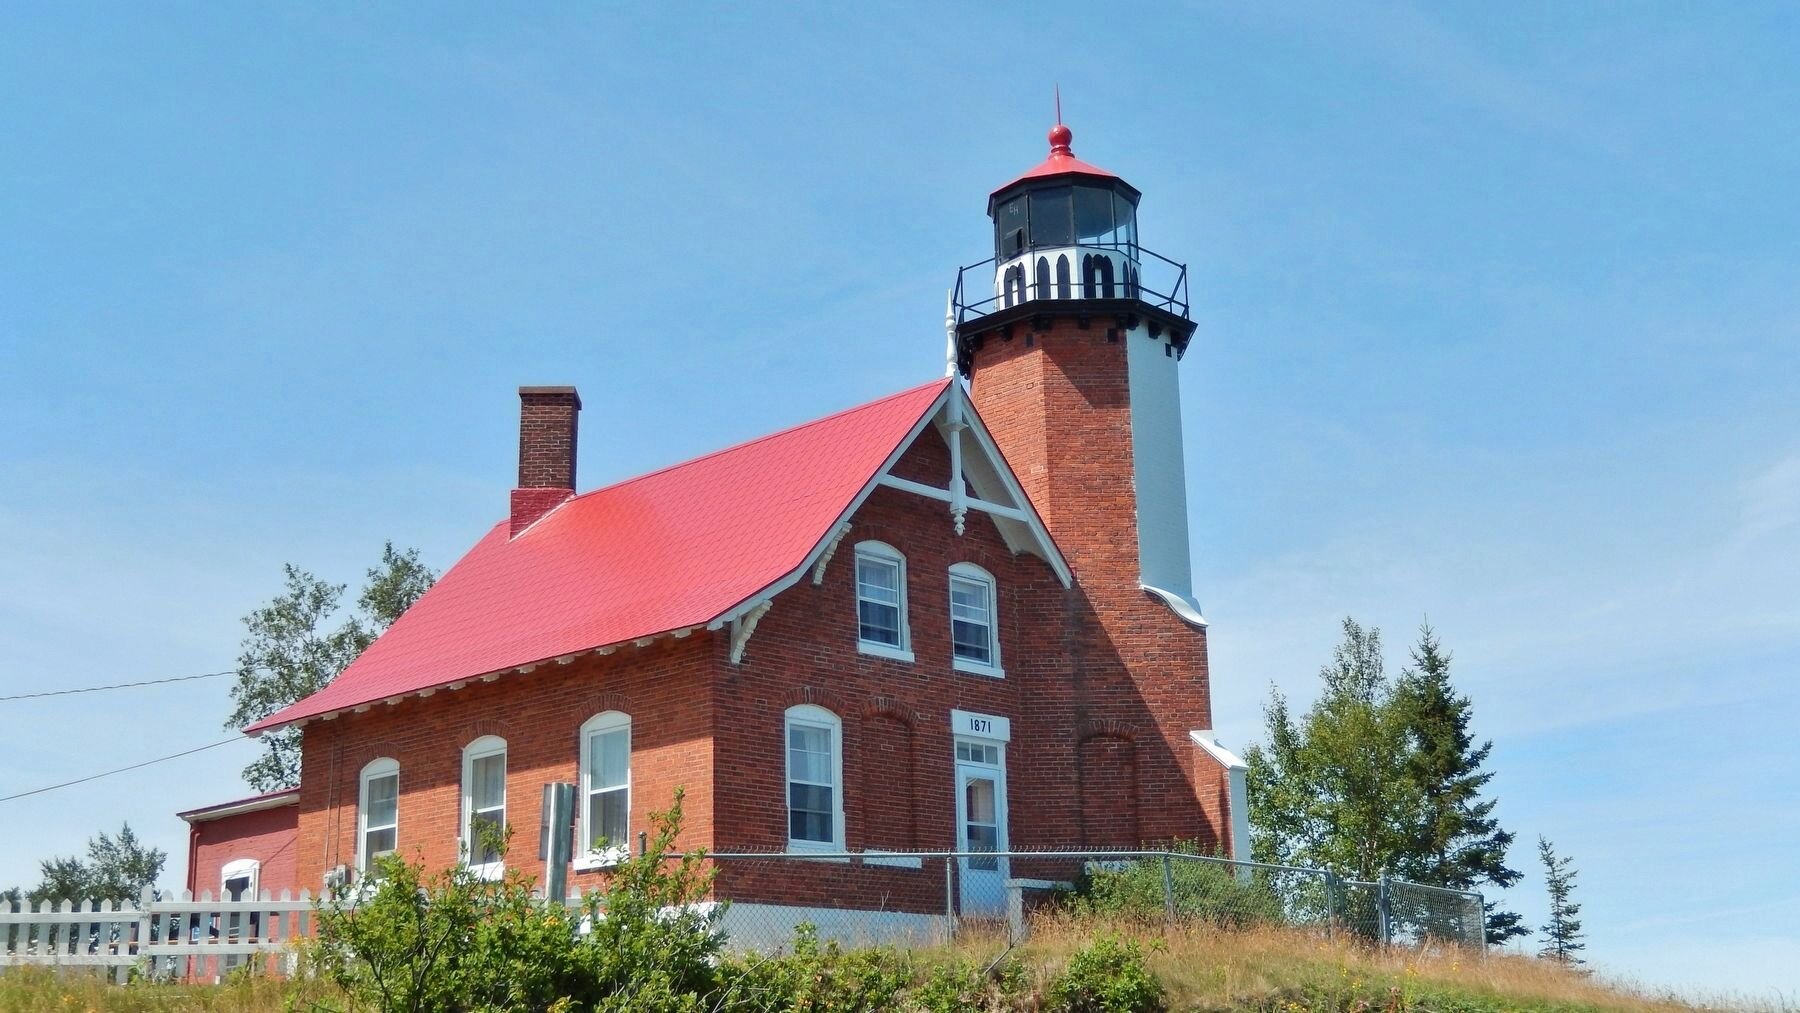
815 768
974 635
881 601
605 790
484 804
377 813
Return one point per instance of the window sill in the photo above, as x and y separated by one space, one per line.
493 871
891 860
977 668
606 859
884 651
819 851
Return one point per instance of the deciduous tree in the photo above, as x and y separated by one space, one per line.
117 868
291 649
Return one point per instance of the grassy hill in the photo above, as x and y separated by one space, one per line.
1261 970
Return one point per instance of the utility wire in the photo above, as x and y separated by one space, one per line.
121 770
122 685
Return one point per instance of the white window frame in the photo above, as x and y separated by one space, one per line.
885 553
971 572
487 745
811 716
375 770
241 868
617 851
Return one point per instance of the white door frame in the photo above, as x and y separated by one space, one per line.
981 892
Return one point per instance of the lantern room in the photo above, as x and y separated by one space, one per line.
1066 241
1064 230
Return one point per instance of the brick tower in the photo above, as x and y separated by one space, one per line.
1072 358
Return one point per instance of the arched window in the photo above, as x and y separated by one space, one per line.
974 626
239 879
484 804
377 812
1015 284
815 779
1097 271
1043 279
881 626
1062 276
605 836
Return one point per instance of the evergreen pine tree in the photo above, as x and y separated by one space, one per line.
1562 933
1458 842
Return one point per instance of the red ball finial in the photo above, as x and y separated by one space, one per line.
1060 136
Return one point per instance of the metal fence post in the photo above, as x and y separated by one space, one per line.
1383 910
1168 890
950 894
1331 904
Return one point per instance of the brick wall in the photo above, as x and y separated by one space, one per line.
664 687
1102 683
266 835
1057 399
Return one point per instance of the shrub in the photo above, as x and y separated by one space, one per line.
962 987
1109 975
1202 890
453 941
816 978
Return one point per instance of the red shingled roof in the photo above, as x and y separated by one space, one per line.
669 550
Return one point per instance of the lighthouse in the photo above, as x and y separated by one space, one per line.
1073 356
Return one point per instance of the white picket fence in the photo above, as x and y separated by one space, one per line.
176 938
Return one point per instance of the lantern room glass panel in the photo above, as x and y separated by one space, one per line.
1051 221
1093 215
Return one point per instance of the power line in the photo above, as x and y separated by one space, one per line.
122 685
121 770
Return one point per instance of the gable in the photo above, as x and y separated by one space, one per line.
699 545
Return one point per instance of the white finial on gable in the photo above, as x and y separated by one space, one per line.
950 332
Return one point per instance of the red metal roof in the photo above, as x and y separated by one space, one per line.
1062 161
669 550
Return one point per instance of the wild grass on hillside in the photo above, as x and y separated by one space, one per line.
1260 970
1282 969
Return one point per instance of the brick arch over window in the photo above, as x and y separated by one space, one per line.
817 697
893 708
486 726
600 703
366 753
1106 764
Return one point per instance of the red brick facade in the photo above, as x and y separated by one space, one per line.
1102 685
262 835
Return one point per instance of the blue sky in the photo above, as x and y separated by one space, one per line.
1499 324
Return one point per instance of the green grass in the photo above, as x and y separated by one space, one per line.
1260 970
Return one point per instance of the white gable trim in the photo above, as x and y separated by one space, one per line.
827 541
1026 530
954 403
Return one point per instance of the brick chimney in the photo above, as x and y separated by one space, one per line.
547 423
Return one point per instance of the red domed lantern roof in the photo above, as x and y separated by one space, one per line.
1062 162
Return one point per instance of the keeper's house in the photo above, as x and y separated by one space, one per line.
958 617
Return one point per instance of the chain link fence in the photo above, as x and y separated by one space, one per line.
912 899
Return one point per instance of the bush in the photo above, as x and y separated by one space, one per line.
962 987
816 978
1108 976
1202 890
453 942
